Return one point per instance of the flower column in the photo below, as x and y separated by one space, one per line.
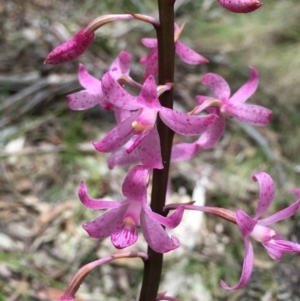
166 53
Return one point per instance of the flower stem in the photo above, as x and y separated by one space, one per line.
166 52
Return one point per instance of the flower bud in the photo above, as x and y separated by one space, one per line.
240 6
71 49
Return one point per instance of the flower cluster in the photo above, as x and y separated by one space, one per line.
135 139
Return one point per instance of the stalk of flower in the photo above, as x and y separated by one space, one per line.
258 229
79 277
187 54
121 221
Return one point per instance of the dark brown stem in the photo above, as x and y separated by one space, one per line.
166 52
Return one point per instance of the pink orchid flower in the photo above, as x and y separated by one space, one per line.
121 221
188 55
256 228
240 6
141 125
224 105
93 94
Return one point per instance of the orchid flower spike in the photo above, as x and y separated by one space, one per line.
141 125
188 55
121 220
256 228
240 6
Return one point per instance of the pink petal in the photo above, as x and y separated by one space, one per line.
266 192
184 151
118 136
213 134
148 95
95 204
202 98
218 86
273 252
252 114
149 42
122 64
121 157
87 81
282 214
156 236
106 224
149 150
188 55
186 124
83 100
117 95
151 62
135 184
124 236
240 6
121 114
71 49
247 267
245 223
247 90
137 140
171 221
285 245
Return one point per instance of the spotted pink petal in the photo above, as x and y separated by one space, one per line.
252 114
149 42
245 223
71 49
96 204
188 55
137 140
121 114
121 157
148 95
135 184
218 86
149 150
151 62
116 94
121 64
186 124
280 215
84 100
171 221
124 236
184 151
213 134
247 268
118 136
247 90
240 6
88 81
156 236
266 192
106 224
